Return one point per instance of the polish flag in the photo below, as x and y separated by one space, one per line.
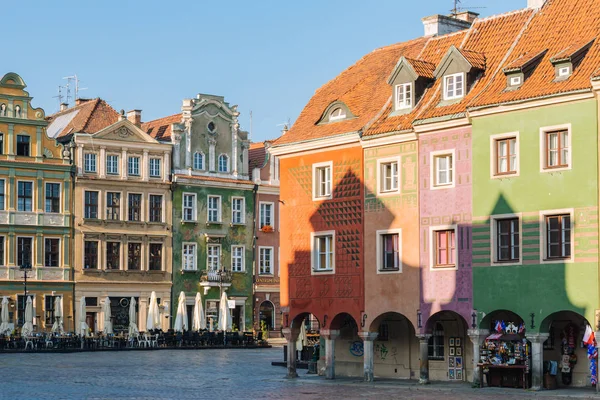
589 337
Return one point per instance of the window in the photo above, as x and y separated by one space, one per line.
454 86
155 257
237 210
515 81
564 71
558 236
237 258
52 197
156 208
134 256
445 248
265 261
24 251
113 255
189 207
322 180
403 96
91 205
198 161
214 209
133 166
51 252
2 198
507 240
435 348
25 196
443 170
389 176
23 145
506 156
113 205
337 114
21 304
189 257
557 149
135 206
49 309
89 162
223 163
266 215
112 164
1 142
155 167
2 261
323 251
390 252
213 257
90 255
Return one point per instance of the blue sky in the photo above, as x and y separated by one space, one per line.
266 56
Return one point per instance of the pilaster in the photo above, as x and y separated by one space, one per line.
537 359
291 336
368 361
424 358
330 335
477 337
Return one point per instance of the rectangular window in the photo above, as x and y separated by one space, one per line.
51 252
156 208
237 210
445 247
90 255
558 236
112 164
557 149
507 240
155 167
25 196
134 256
49 309
389 176
21 304
265 261
443 170
323 181
155 257
213 258
23 145
89 162
214 209
403 96
135 207
24 251
390 248
237 258
52 197
113 255
506 156
189 257
1 143
266 215
113 206
2 262
454 86
189 207
435 344
91 205
2 196
133 166
323 253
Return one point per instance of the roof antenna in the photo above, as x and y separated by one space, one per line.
77 88
59 96
458 9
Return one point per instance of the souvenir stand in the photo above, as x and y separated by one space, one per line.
505 357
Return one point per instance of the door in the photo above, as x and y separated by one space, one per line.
90 320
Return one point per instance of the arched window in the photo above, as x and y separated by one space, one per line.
223 163
337 114
436 343
17 111
198 161
2 110
267 315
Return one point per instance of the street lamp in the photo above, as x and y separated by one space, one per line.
25 267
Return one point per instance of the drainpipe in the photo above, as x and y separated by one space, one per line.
72 249
254 233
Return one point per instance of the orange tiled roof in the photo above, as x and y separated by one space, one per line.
90 116
160 129
477 60
256 155
422 68
523 61
568 52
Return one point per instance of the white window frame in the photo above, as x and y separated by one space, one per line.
156 160
4 185
87 163
379 250
241 211
59 250
219 163
130 164
261 214
60 191
433 169
3 262
340 116
453 77
381 176
121 207
194 255
564 71
33 250
407 101
194 207
208 256
494 156
194 166
271 252
108 171
143 217
316 183
493 234
209 209
99 250
314 255
543 236
547 129
242 258
163 205
515 80
33 197
433 249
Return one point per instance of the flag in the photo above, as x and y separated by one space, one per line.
498 326
521 328
503 326
589 337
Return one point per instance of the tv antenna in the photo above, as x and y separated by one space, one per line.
458 9
72 78
59 96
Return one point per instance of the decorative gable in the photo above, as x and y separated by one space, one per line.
409 79
459 70
336 112
568 59
124 131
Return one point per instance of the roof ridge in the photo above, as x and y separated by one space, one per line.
158 119
76 107
502 15
87 121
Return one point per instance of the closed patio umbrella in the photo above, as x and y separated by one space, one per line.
57 327
28 325
4 327
181 317
133 329
83 326
302 339
107 316
224 314
153 320
199 322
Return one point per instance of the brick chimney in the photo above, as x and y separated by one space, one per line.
441 24
80 101
535 4
468 16
135 117
64 106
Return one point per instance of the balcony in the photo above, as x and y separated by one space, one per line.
215 278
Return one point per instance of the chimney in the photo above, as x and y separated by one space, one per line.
80 101
442 24
135 117
535 4
468 16
64 106
122 115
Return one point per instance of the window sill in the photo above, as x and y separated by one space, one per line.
444 267
443 186
323 271
266 275
322 198
214 222
237 224
238 272
188 271
188 221
388 270
556 169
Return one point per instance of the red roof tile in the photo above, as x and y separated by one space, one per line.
422 68
477 60
90 116
523 61
160 129
256 155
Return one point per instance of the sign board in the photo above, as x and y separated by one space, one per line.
231 303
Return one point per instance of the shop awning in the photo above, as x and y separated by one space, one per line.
494 336
504 336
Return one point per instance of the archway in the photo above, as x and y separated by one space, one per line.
449 351
489 320
266 315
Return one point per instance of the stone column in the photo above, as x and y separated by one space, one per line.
537 359
211 154
124 170
291 336
368 338
330 335
477 337
167 167
423 358
80 159
102 162
145 166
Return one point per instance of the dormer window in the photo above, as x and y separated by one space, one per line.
454 86
515 81
404 96
336 111
337 114
564 71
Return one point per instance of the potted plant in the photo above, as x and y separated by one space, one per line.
267 228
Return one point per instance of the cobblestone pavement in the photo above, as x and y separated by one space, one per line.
205 374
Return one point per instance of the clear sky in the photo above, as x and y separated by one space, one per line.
266 56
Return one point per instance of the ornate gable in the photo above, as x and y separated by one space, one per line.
124 131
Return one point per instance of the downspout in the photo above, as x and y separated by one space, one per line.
72 249
254 233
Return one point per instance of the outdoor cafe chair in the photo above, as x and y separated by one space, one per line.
29 340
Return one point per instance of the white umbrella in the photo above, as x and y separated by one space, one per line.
302 339
133 329
58 325
181 317
153 320
83 326
224 314
199 319
28 325
4 328
107 314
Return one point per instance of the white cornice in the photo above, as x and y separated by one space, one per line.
181 180
392 138
273 190
299 147
438 126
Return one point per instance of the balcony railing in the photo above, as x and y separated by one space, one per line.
216 276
